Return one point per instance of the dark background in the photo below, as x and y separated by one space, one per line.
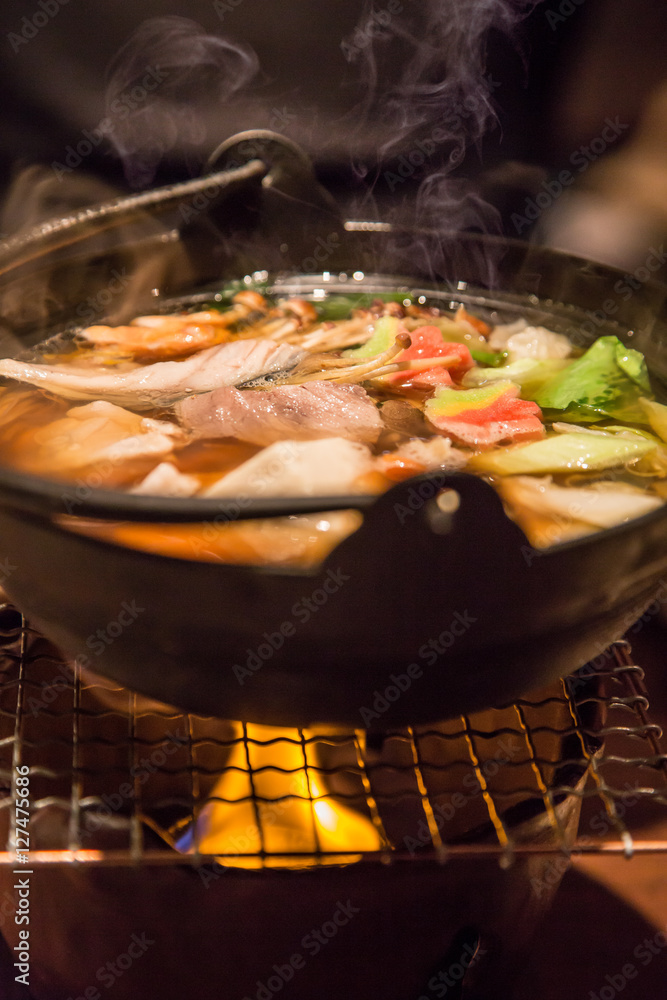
559 76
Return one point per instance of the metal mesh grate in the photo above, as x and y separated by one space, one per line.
115 778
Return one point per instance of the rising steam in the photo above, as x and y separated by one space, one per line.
160 84
423 64
424 74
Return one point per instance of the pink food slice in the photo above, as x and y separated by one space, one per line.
318 409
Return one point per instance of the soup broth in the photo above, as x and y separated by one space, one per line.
257 396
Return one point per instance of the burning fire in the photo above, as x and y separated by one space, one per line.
276 810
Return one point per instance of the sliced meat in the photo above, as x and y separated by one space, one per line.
298 412
164 382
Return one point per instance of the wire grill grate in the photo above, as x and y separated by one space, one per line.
117 779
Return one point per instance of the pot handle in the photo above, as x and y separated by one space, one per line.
291 171
258 156
446 519
54 234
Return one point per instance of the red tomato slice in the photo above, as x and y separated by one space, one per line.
427 342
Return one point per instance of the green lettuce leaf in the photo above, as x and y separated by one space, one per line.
632 363
607 381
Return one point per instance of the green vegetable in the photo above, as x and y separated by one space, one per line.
623 429
339 306
384 335
529 373
579 452
607 381
490 358
657 416
632 363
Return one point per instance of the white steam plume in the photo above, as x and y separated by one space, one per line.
162 83
423 61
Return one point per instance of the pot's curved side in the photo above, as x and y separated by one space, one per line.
347 644
407 620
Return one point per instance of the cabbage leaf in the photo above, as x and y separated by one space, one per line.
607 381
577 452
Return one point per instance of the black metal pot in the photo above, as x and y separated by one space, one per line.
364 629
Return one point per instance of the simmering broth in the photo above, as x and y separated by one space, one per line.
254 396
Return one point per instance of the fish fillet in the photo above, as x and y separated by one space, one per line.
164 382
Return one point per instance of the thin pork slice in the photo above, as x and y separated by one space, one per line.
300 412
162 383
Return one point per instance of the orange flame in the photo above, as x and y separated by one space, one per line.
300 817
